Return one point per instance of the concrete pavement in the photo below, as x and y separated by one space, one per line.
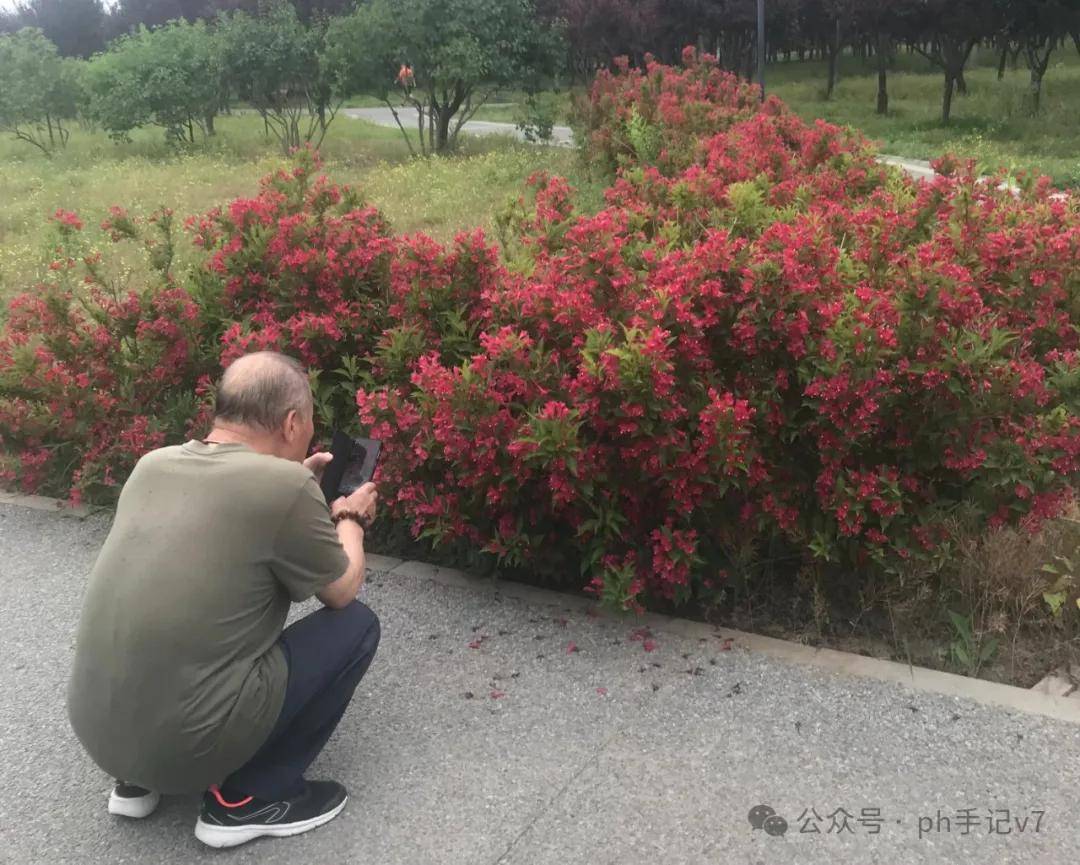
559 739
562 136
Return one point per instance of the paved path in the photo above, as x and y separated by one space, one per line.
663 765
560 135
563 135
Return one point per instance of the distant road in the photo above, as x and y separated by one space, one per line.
560 135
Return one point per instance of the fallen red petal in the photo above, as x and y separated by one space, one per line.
571 647
496 694
648 645
601 691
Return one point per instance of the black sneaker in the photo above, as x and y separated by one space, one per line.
227 824
128 800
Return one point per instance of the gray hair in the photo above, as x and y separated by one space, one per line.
260 389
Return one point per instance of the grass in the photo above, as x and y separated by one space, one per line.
993 123
438 196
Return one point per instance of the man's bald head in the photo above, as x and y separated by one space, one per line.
260 389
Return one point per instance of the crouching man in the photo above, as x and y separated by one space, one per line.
183 679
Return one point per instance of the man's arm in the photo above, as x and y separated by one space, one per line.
342 591
312 556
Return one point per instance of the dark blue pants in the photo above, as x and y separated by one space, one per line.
328 653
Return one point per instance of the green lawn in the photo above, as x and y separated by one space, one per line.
439 196
993 123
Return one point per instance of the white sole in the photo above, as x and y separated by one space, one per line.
137 808
233 836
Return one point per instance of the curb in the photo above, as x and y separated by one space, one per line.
1048 698
1041 700
44 503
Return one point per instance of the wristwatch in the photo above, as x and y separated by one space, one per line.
363 520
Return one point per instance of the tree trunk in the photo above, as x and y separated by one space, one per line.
442 133
208 122
946 102
1038 63
1002 59
834 56
961 83
882 72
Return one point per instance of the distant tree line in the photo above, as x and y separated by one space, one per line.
79 28
433 62
293 62
944 31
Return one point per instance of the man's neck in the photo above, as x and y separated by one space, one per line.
258 442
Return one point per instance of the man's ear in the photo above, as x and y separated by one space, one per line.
290 427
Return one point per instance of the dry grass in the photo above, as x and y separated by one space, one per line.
1001 583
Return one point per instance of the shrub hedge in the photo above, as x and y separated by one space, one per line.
763 337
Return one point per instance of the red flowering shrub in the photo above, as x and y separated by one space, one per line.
661 114
764 338
93 375
304 268
782 339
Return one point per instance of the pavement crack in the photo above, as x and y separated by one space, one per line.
558 795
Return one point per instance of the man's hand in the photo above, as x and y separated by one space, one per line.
342 591
362 501
317 463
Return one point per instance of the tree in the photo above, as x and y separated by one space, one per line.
170 77
281 68
881 23
442 58
75 27
945 32
127 16
829 24
39 90
598 30
1034 27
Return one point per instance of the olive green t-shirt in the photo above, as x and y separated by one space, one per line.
178 677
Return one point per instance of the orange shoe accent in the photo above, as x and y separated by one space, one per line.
221 801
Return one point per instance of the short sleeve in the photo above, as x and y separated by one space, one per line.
308 555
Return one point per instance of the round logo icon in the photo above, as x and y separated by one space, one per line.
759 814
775 825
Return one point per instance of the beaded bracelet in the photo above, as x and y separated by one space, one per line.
363 520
